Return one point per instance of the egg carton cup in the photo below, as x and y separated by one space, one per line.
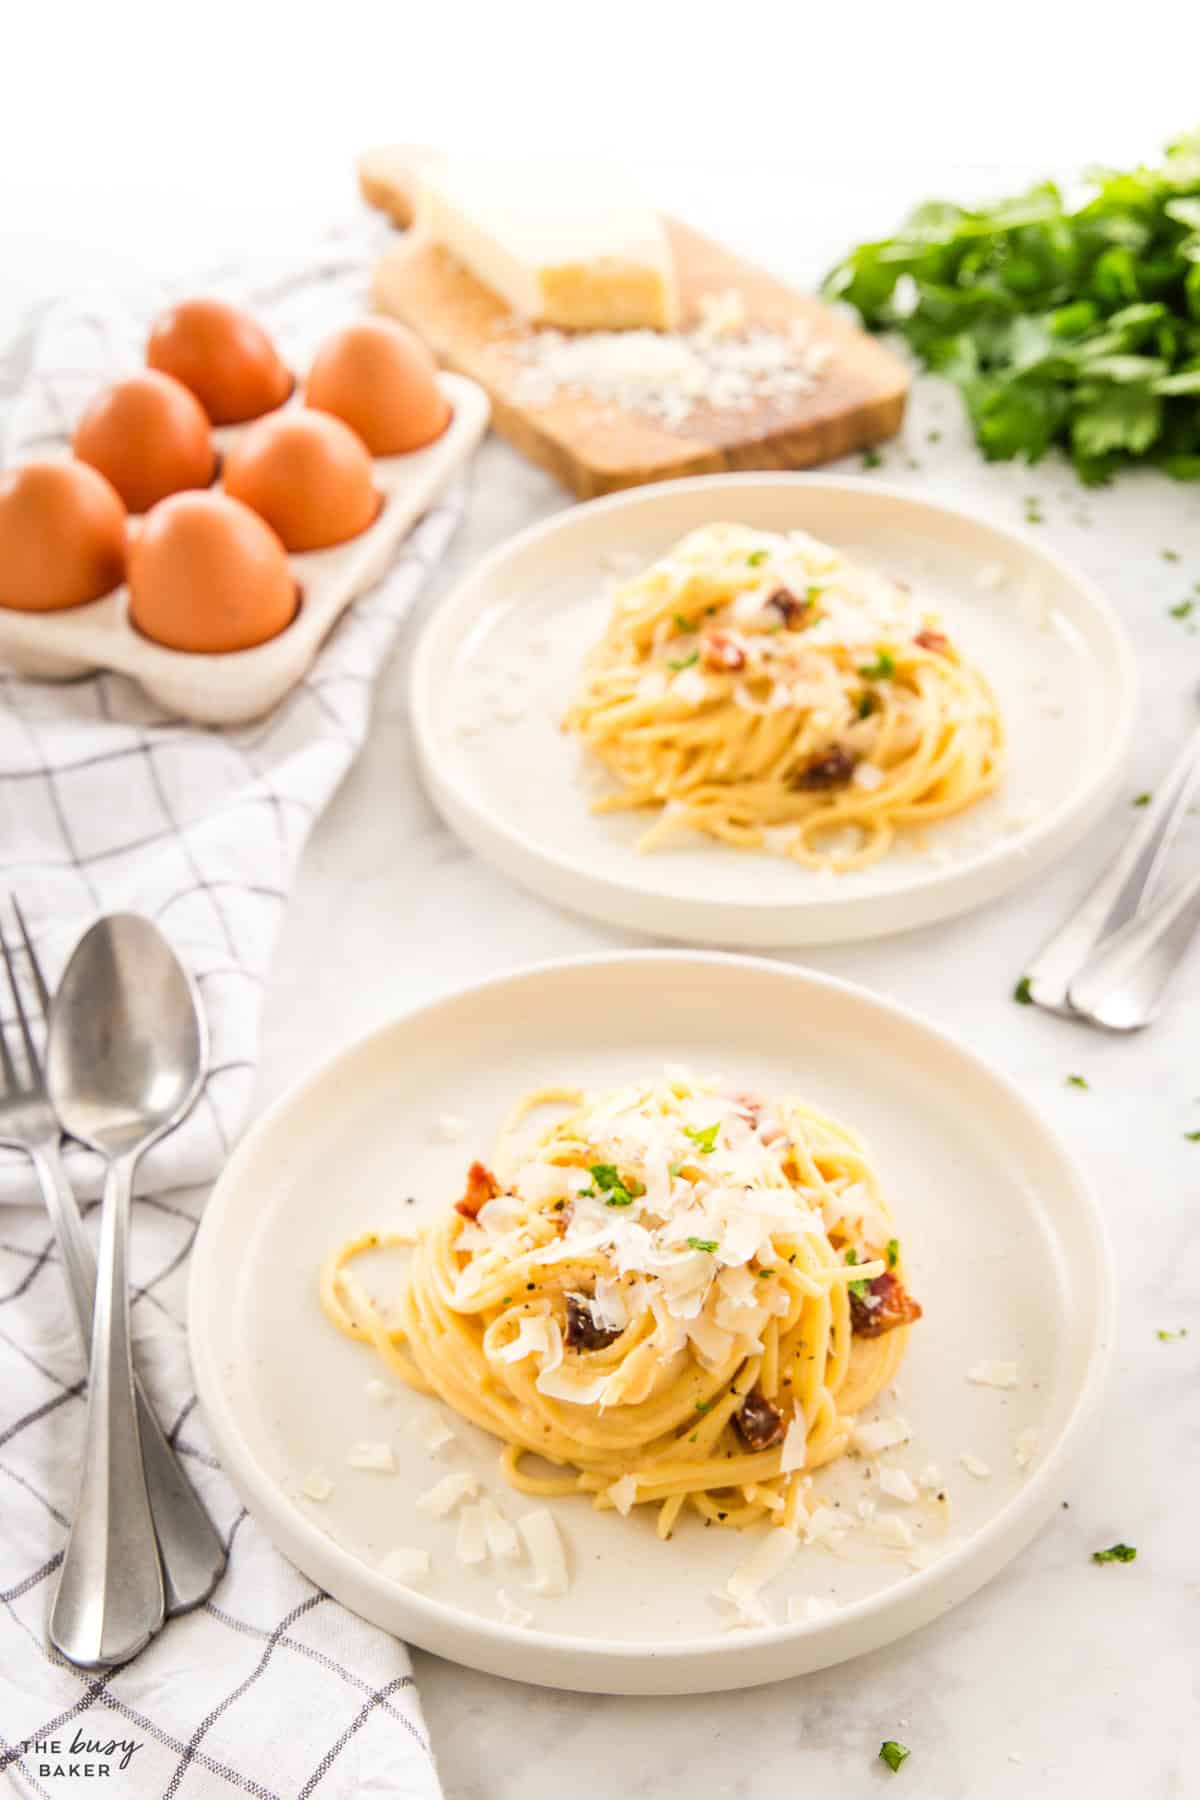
241 684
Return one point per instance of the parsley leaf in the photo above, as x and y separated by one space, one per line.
1076 1081
1023 993
1170 1337
1063 324
1115 1553
872 459
608 1182
883 667
682 624
893 1754
1192 1137
702 1243
683 662
1182 609
706 1140
893 1252
756 557
1142 799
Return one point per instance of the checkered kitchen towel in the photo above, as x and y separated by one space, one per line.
108 803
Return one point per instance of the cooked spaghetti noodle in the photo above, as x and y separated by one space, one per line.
677 1296
760 688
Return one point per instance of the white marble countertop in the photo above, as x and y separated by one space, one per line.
1060 1677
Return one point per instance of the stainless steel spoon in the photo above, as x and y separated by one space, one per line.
125 1060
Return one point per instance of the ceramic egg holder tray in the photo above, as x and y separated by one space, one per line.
240 685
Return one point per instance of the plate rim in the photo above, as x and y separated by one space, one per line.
923 1595
975 880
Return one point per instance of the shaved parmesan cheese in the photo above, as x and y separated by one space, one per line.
994 1374
545 1547
897 1485
825 1526
380 1391
974 1465
623 1494
533 1338
807 1609
449 1492
891 1529
869 1440
1026 1448
770 1556
450 1127
795 1444
471 1546
409 1566
502 1540
930 1478
377 1457
316 1486
436 1434
511 1613
867 776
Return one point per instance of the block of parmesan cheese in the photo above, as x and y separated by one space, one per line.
566 241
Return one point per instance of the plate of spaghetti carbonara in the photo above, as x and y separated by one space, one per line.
650 1323
771 709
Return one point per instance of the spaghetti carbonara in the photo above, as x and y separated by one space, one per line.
676 1295
756 686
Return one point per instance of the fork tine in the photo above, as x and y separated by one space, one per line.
7 1066
35 1065
39 980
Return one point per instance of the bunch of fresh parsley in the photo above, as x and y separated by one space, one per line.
1075 326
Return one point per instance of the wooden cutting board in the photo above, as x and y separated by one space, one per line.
596 448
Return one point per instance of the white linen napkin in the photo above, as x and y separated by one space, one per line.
271 1688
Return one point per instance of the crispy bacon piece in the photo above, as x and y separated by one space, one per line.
794 613
886 1304
583 1331
482 1186
720 651
935 641
759 1422
830 769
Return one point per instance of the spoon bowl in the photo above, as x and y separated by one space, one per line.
127 1049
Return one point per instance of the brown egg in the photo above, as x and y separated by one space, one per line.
62 536
380 378
150 436
308 475
224 356
206 575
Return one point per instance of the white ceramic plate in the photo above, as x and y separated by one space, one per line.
1003 1243
513 635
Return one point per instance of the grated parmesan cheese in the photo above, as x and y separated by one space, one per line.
993 1374
897 1485
511 1613
623 1494
442 1498
809 1609
545 1546
436 1434
1025 1448
380 1391
502 1539
892 1530
374 1456
408 1566
316 1486
471 1546
883 1434
974 1465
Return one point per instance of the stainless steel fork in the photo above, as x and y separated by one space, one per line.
193 1557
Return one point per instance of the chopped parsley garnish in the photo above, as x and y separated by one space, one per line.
1077 1081
1115 1553
881 669
702 1243
872 459
859 1289
755 557
507 1300
608 1182
1182 609
1023 993
1192 1137
893 1754
1033 510
682 624
763 1272
1170 556
683 662
893 1252
866 704
935 437
675 1169
706 1140
1170 1337
1142 799
704 1406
